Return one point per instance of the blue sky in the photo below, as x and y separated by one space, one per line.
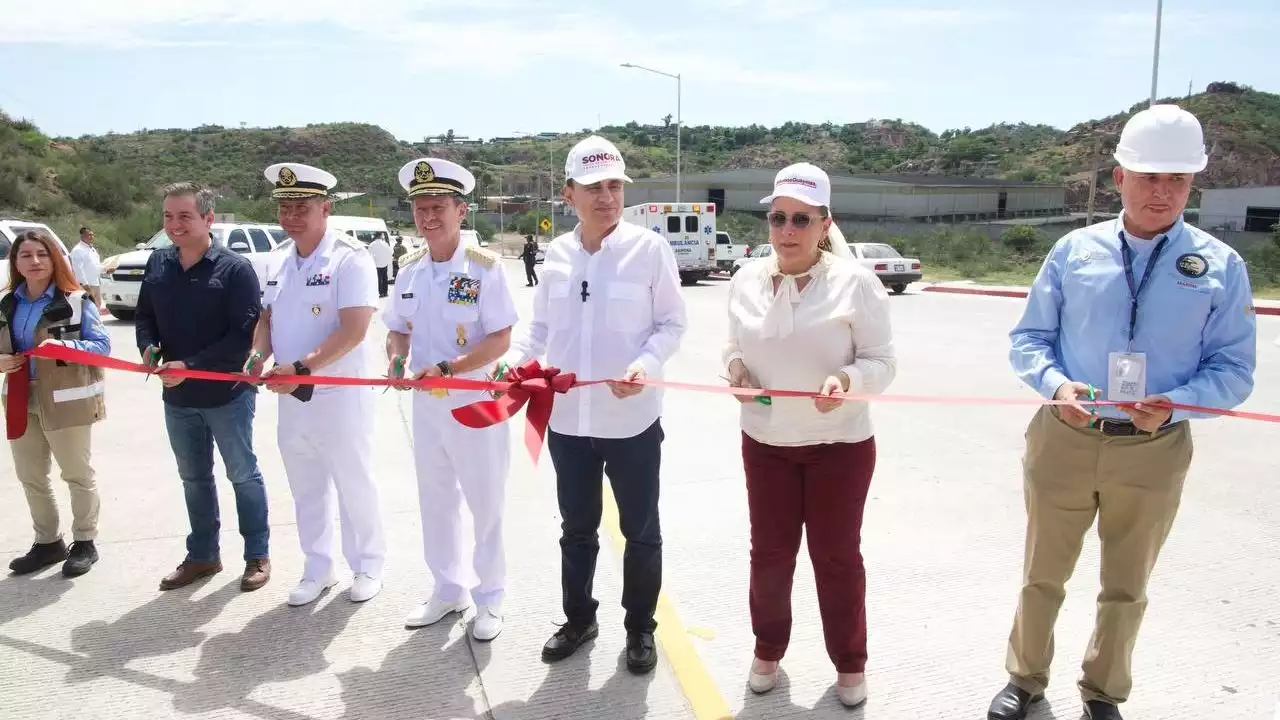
494 67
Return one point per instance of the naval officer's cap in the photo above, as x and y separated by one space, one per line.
433 176
295 181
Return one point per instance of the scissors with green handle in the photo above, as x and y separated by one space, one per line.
762 399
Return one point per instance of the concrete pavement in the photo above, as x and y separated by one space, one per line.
942 542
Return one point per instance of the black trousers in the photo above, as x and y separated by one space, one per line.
530 275
632 465
382 282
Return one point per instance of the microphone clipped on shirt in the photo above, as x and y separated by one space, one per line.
585 294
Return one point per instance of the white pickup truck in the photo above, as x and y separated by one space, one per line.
727 251
122 274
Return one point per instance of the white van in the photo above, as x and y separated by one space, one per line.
364 229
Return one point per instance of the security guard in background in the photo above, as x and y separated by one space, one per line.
451 313
1141 310
317 308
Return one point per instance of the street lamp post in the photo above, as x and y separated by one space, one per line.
1155 57
551 192
679 126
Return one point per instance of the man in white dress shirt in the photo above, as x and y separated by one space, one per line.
87 266
452 314
316 311
608 306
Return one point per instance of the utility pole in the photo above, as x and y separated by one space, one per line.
1093 181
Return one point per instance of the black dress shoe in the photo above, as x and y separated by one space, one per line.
81 557
1101 710
567 640
642 656
40 556
1011 703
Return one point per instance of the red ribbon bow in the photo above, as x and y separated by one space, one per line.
530 383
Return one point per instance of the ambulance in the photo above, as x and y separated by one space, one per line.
690 229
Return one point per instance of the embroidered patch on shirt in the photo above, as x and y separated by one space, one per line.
317 279
463 290
1193 265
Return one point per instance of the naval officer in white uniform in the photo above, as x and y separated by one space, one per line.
317 306
451 314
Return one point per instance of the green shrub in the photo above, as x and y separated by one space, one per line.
102 189
12 193
1021 239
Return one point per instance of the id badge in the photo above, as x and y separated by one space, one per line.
1127 377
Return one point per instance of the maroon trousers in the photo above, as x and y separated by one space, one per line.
823 490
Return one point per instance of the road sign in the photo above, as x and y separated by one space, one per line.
545 224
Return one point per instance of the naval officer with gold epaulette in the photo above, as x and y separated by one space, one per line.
317 306
451 314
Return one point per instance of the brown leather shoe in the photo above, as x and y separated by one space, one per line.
188 572
256 574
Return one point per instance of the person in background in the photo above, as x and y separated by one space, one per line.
318 305
611 308
808 317
397 252
452 315
1143 310
87 265
50 407
382 257
530 257
197 308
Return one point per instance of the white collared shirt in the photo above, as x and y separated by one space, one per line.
633 312
85 264
306 294
838 322
446 308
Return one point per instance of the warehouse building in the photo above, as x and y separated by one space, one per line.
925 197
1247 209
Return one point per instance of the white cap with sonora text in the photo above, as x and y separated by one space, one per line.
805 182
594 160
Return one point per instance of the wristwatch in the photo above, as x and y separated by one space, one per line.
446 368
300 369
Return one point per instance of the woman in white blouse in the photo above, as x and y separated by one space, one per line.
808 318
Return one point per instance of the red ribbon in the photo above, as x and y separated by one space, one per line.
529 383
15 409
537 387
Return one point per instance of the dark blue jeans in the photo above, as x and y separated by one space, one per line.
632 465
192 433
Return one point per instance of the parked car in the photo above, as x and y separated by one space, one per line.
10 229
763 250
122 274
895 271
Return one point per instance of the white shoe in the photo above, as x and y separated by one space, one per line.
433 611
308 591
852 695
762 682
365 587
488 622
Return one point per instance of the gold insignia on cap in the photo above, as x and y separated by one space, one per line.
423 172
287 177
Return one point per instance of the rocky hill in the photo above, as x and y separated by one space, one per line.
114 177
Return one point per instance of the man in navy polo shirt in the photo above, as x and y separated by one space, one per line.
197 309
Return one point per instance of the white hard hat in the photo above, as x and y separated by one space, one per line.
1162 139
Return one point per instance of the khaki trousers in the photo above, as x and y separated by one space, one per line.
31 462
1133 485
95 291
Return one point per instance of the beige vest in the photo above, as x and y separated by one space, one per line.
69 395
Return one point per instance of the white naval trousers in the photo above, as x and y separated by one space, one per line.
455 462
327 445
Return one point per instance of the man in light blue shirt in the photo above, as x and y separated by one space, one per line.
1146 311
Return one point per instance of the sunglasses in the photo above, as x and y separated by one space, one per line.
799 221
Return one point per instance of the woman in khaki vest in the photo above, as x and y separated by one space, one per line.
51 406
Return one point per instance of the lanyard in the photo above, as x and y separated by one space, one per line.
1135 292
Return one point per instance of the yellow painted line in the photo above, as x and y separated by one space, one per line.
696 683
